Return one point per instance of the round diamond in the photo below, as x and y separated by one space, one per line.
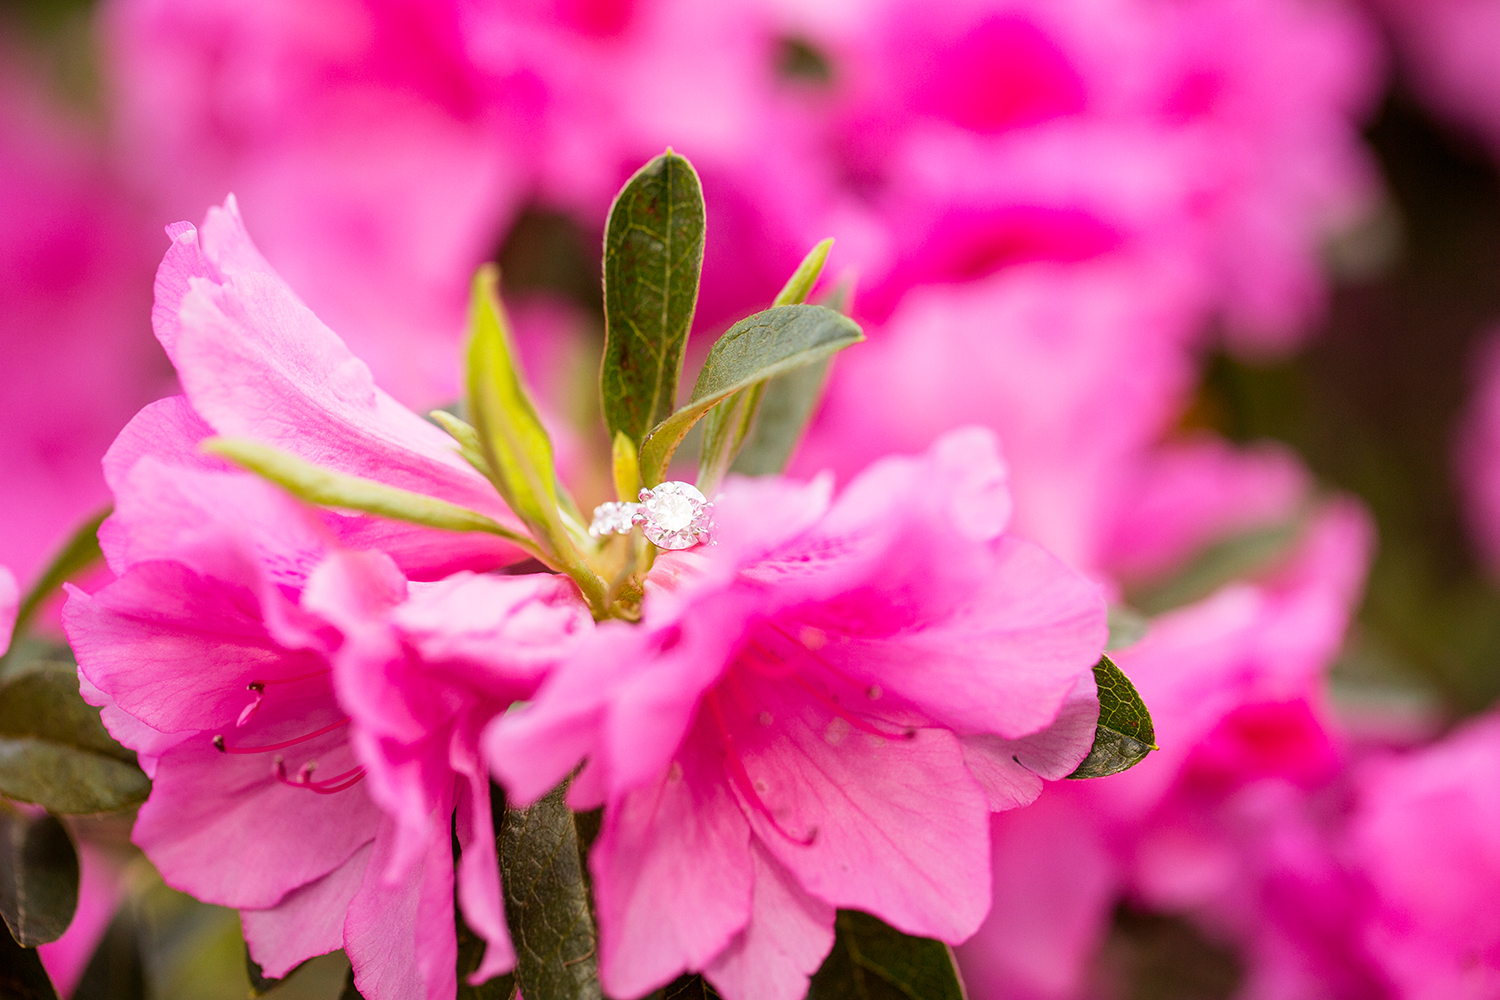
675 516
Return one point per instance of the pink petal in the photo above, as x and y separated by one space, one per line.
255 362
400 936
223 828
479 869
894 826
786 940
309 921
672 875
177 650
1003 661
168 429
1055 883
1011 770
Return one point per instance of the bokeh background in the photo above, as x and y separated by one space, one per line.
1116 230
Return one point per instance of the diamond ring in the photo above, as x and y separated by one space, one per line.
673 515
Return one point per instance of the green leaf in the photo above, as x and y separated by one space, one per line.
78 553
21 974
757 348
512 440
38 877
786 408
729 424
336 489
626 465
55 752
1125 734
871 961
653 254
547 902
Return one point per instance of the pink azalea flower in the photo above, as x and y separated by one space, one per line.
309 724
1477 456
819 712
978 132
1217 827
1425 835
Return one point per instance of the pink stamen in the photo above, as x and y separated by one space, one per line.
328 786
742 780
258 689
219 740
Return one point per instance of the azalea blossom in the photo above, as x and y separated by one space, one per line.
1424 834
819 711
1224 826
309 725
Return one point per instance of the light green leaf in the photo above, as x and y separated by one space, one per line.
800 285
653 254
755 349
38 877
79 552
547 902
327 488
627 468
514 443
871 961
1125 734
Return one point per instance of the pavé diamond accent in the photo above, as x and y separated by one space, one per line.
675 516
613 518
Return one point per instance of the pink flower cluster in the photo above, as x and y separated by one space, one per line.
842 685
1046 204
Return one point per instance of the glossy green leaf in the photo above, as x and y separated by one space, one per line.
21 974
55 752
336 489
653 255
38 877
760 347
78 553
547 902
871 961
1125 734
